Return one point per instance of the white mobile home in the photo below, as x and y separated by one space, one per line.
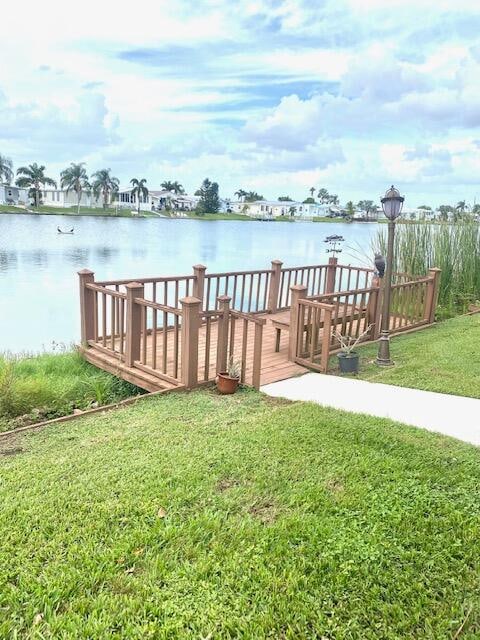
15 196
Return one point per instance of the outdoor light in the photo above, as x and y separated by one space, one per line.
392 204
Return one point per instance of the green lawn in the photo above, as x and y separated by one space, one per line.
200 516
72 211
444 358
217 216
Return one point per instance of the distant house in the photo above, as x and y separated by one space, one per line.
64 198
13 195
277 208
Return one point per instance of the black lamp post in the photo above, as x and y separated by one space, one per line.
392 204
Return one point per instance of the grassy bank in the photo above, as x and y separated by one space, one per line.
443 358
195 516
35 388
217 216
110 212
454 248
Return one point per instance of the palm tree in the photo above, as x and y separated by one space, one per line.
323 196
241 193
74 178
252 196
333 199
168 185
104 184
461 206
139 190
6 169
312 191
33 176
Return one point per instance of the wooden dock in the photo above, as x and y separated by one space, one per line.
171 332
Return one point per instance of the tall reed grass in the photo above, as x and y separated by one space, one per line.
49 385
453 248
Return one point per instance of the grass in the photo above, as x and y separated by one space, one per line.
443 358
238 517
217 216
72 211
50 385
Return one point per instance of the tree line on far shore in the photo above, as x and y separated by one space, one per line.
103 185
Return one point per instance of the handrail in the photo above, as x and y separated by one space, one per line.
238 273
307 302
110 292
146 280
247 316
159 307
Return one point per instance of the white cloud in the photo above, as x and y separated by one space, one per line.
348 93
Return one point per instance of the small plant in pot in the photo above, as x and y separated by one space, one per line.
227 381
348 358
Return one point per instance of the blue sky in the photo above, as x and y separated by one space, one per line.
271 95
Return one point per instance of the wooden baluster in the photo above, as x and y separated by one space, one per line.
243 291
222 335
165 336
112 323
250 293
326 339
231 347
206 372
257 355
244 351
175 345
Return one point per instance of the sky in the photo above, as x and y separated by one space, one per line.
275 96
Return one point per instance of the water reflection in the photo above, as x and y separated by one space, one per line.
77 256
8 261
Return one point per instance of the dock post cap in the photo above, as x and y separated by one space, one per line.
133 285
199 267
190 300
224 298
85 272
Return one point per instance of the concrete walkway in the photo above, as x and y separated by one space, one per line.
454 416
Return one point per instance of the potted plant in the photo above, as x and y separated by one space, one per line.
348 358
227 381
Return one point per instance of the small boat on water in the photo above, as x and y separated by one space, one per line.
66 232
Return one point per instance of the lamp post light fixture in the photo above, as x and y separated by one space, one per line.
392 204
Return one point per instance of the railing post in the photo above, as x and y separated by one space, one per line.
87 306
199 282
374 308
222 336
257 356
331 275
326 339
299 291
274 287
432 294
190 330
133 323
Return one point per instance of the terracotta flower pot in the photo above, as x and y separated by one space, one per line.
225 384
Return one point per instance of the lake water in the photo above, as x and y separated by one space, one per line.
38 266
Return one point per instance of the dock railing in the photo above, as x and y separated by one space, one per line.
183 329
315 321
